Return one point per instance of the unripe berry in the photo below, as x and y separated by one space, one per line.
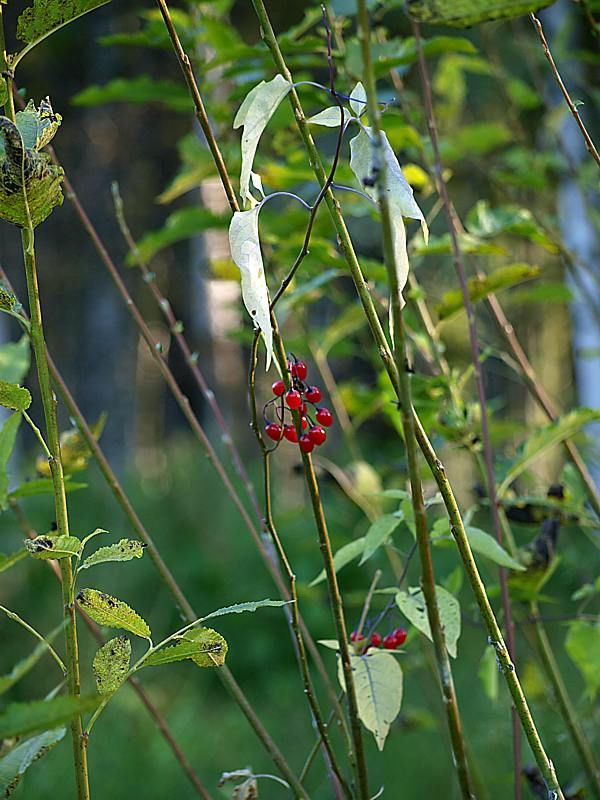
317 435
298 369
273 431
400 636
293 399
305 444
376 639
290 433
325 417
313 394
389 642
278 388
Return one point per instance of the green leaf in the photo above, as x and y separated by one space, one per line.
37 126
480 288
488 673
111 664
244 241
112 613
124 550
51 546
179 226
22 667
486 222
204 646
464 13
17 761
329 117
583 646
46 16
15 397
543 439
378 534
15 360
6 562
254 114
251 605
8 434
344 556
19 719
142 90
481 542
378 684
196 166
43 486
412 605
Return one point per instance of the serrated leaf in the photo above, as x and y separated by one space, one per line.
124 550
464 13
46 16
481 542
583 646
255 112
378 534
250 605
111 664
15 397
204 646
20 719
7 561
343 556
358 100
378 684
14 359
546 437
17 761
50 546
22 667
399 193
43 486
412 605
244 242
112 613
329 117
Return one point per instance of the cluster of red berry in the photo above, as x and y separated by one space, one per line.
392 641
298 398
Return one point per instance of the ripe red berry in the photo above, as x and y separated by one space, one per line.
325 417
304 423
376 639
389 642
313 394
317 435
278 388
400 636
293 399
305 444
290 433
355 637
273 431
299 370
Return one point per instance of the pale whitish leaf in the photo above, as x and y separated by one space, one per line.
358 100
344 556
542 439
251 605
111 664
124 550
488 673
331 644
256 181
7 561
22 667
245 251
378 534
112 613
50 546
399 193
412 605
378 684
15 397
19 719
8 434
329 117
255 112
46 16
204 646
17 761
481 542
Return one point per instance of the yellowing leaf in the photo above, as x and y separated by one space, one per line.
124 550
111 664
412 605
17 398
111 612
204 646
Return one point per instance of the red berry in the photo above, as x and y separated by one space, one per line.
278 388
355 637
389 642
376 639
290 433
304 423
400 636
317 435
305 444
293 399
303 408
273 431
313 394
325 417
299 370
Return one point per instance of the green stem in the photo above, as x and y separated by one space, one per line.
16 618
427 576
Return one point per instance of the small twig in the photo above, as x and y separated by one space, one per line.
16 618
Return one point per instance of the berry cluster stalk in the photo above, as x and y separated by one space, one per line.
427 577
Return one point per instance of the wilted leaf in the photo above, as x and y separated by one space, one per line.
15 397
251 605
19 719
254 114
111 664
343 556
111 612
37 126
17 761
378 684
7 561
46 16
412 605
51 546
124 550
378 534
14 359
481 542
204 646
583 646
464 13
244 242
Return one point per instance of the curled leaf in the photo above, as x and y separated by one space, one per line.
51 546
204 646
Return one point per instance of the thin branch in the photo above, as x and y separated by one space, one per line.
16 618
